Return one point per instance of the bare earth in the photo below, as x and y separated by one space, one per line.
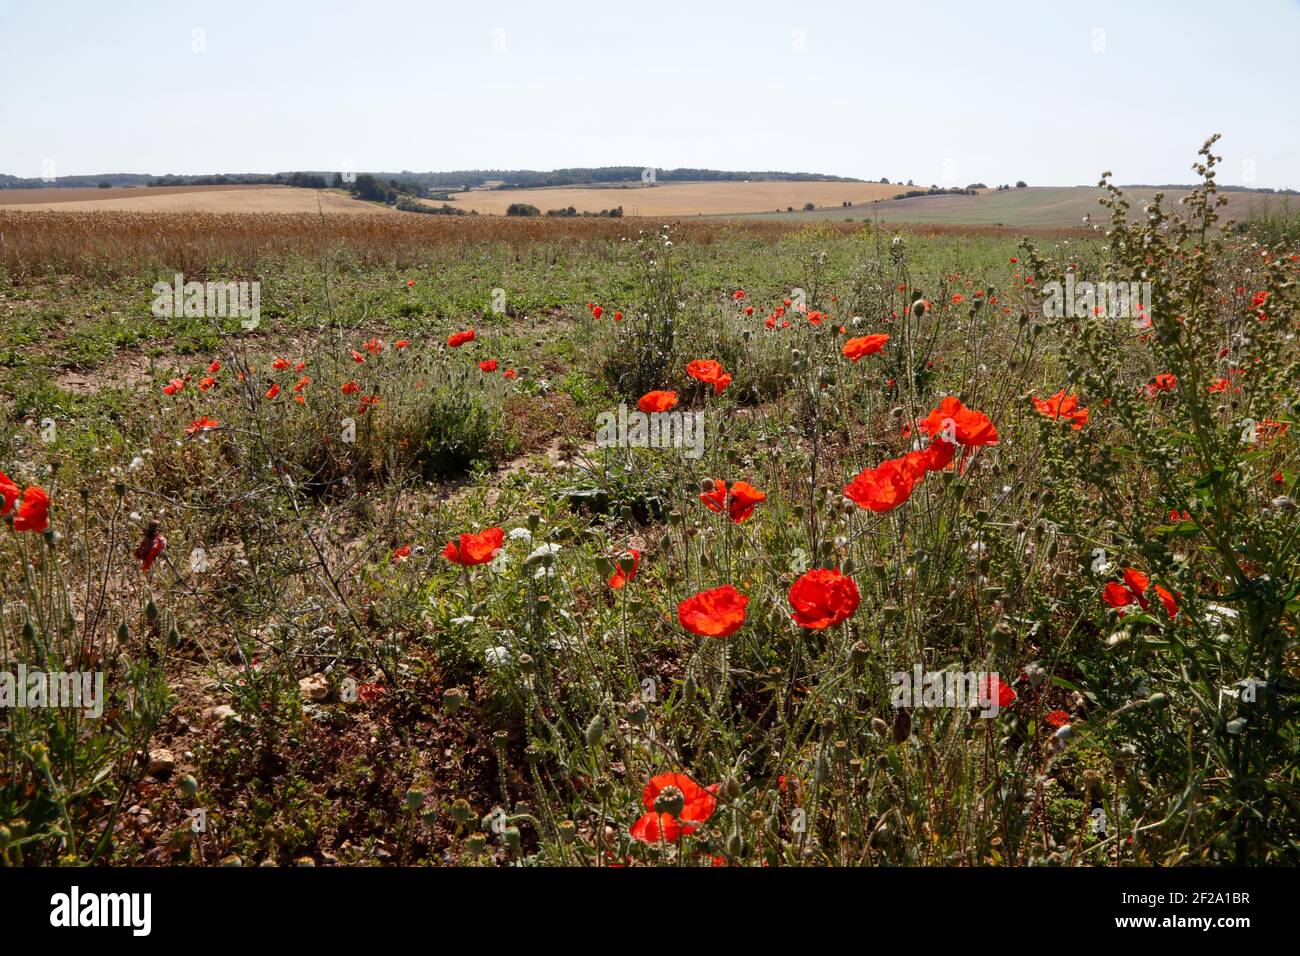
185 199
677 199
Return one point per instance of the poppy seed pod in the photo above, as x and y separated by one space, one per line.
568 831
474 843
902 726
636 713
879 726
5 837
453 699
670 800
461 811
859 653
414 798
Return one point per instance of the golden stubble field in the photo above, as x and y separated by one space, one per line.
284 199
678 199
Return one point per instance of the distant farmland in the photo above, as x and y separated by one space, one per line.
1033 206
678 199
185 199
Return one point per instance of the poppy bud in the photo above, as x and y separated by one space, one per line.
1158 701
735 844
511 836
689 689
595 730
123 635
879 726
534 521
188 785
151 611
731 788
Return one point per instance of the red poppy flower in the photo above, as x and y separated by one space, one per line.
475 548
657 401
822 598
33 513
738 295
749 310
215 367
618 579
710 373
1062 407
10 493
1164 382
457 339
934 457
203 424
739 502
488 365
273 391
401 343
410 282
1056 718
280 364
970 428
206 383
597 311
855 349
400 554
667 790
369 692
716 613
993 686
374 346
174 386
883 488
349 388
358 357
509 373
1133 591
152 545
302 383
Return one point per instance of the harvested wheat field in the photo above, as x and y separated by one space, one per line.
678 199
185 199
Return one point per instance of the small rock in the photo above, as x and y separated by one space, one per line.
219 714
314 688
161 762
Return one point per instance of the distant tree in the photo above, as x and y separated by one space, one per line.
809 207
338 180
884 180
522 209
105 185
1021 184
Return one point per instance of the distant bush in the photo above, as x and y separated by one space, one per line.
522 209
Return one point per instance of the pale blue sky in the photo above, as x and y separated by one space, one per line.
942 92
